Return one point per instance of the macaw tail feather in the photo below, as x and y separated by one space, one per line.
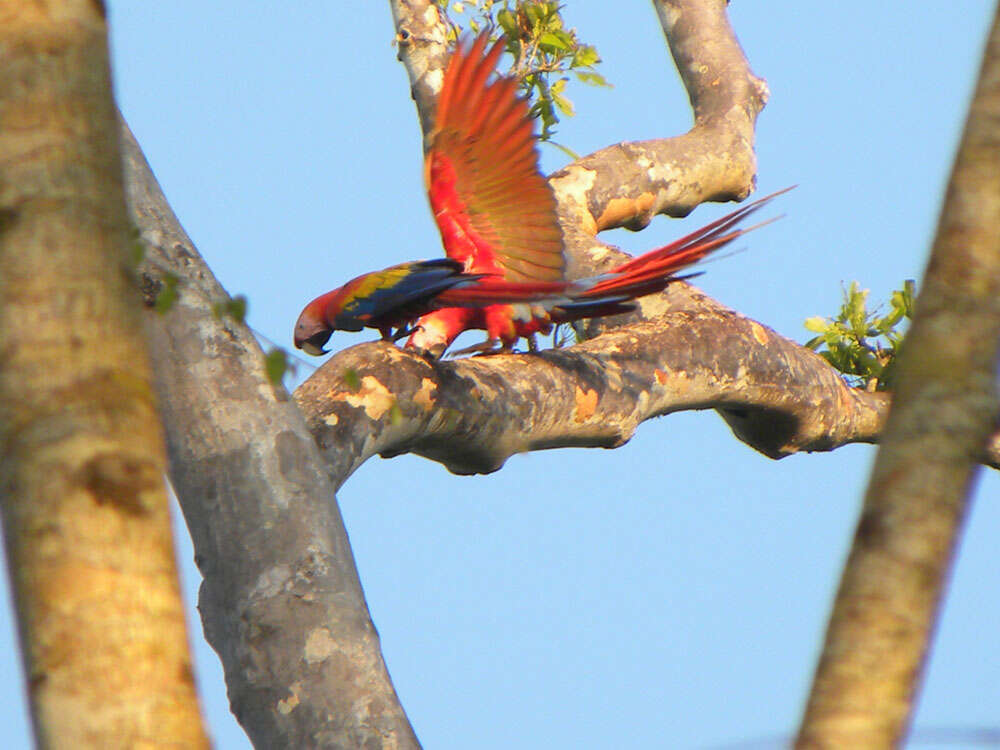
493 290
693 247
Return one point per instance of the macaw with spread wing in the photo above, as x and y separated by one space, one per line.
505 267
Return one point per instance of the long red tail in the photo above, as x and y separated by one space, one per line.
494 290
643 272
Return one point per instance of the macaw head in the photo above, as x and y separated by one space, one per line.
334 311
311 330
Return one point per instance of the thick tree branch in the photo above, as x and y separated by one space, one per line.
627 184
945 409
281 602
472 414
423 49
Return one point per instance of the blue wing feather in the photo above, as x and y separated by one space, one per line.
388 293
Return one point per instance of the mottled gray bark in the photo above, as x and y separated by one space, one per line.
471 415
281 602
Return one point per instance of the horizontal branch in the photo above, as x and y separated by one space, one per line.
473 414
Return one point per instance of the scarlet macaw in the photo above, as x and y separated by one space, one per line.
505 267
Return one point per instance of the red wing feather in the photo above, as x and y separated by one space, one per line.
492 205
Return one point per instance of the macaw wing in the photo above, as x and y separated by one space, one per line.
394 291
495 210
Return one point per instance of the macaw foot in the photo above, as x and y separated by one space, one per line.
402 333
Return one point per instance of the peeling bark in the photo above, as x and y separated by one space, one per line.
473 414
944 411
627 184
423 49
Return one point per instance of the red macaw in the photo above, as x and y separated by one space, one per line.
396 296
505 267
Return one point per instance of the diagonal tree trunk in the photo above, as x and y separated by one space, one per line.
81 452
281 602
944 411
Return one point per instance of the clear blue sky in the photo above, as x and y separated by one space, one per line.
671 593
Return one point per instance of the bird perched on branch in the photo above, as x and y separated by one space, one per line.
505 267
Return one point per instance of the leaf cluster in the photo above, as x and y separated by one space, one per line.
860 343
546 53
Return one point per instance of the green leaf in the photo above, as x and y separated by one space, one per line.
565 105
137 248
593 79
508 23
559 40
817 324
565 149
868 363
276 365
351 380
585 56
862 345
904 298
235 308
889 322
855 312
167 295
532 13
813 343
830 357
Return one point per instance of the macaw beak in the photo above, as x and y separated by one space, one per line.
314 344
312 330
316 351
